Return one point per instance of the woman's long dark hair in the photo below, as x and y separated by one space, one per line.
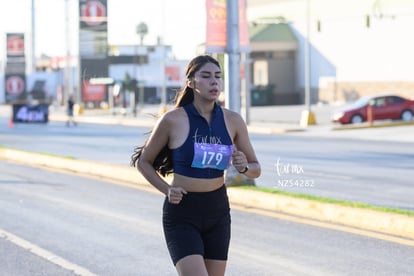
163 162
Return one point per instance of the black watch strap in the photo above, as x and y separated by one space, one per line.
244 170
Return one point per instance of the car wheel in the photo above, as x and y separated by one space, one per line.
356 119
406 115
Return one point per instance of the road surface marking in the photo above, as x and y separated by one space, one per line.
47 255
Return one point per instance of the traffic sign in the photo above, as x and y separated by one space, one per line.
15 85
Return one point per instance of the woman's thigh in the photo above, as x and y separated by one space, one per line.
215 267
192 265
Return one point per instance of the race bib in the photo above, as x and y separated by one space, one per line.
213 156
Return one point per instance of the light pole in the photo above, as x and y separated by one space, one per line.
163 105
68 73
33 57
141 30
307 116
232 176
232 57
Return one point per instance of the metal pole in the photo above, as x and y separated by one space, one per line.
307 58
246 102
33 60
232 58
141 30
68 80
140 83
232 81
163 107
308 117
134 73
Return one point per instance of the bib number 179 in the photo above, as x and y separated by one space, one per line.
212 156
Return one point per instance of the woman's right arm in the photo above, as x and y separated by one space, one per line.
157 140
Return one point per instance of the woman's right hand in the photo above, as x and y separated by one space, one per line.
175 194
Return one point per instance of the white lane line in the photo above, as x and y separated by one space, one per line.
47 255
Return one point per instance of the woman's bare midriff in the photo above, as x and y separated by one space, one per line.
191 184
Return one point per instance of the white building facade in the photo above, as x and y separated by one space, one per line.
357 47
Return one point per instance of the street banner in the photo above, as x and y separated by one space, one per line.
15 45
93 92
216 33
93 28
15 69
30 113
93 42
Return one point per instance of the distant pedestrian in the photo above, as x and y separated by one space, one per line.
197 141
70 112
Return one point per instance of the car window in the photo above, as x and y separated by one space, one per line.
378 102
395 100
361 102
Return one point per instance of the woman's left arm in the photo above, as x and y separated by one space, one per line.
244 157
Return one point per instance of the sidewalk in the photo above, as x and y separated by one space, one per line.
267 120
261 122
147 116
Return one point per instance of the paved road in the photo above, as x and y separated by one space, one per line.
109 229
341 164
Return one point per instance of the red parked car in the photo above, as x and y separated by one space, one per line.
384 107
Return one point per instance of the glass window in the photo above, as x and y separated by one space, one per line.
395 100
380 101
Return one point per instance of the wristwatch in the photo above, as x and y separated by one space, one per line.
244 170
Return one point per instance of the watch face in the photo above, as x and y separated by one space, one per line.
245 169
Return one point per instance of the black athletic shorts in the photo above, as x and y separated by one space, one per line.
199 224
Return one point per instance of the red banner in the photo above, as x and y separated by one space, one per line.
15 45
93 92
173 73
216 35
15 70
93 47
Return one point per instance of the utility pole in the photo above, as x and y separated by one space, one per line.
232 81
67 92
232 57
33 46
245 88
142 31
163 105
307 117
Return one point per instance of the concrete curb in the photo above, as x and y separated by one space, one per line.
103 170
382 222
373 125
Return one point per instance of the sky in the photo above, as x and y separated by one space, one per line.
180 22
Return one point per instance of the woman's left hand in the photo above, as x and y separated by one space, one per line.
239 160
